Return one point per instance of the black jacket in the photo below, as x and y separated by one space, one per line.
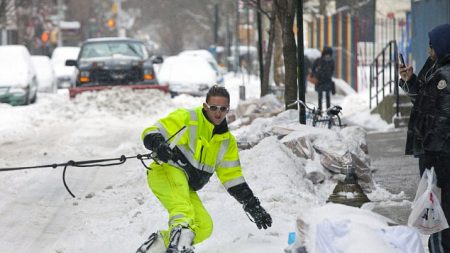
323 69
433 119
413 88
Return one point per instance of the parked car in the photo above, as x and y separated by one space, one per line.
207 56
65 75
187 74
45 74
106 62
18 81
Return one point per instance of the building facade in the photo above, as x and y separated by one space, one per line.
425 15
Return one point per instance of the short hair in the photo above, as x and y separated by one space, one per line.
327 51
218 91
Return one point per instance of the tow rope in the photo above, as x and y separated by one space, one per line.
99 162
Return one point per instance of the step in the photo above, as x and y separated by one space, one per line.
400 121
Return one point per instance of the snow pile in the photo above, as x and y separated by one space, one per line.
262 127
355 112
339 141
136 101
234 82
343 88
334 228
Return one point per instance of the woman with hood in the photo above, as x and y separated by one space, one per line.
413 85
323 69
432 123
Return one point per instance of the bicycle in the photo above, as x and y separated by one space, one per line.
323 119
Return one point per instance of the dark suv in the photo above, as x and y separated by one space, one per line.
106 62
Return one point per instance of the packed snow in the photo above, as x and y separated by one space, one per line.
114 210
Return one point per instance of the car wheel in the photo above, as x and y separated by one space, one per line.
33 100
27 97
33 88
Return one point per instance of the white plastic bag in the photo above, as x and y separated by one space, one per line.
427 215
423 184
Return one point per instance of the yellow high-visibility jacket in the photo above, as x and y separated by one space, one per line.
202 151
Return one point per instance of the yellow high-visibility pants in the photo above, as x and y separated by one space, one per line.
170 186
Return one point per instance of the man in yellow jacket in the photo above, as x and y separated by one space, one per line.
191 145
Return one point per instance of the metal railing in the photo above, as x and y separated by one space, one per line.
384 75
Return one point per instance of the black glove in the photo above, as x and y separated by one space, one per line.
261 218
152 141
156 143
163 152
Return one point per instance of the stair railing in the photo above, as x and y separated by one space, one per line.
384 75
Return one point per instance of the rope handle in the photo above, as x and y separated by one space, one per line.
98 162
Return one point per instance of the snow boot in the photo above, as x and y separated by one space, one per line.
154 244
181 239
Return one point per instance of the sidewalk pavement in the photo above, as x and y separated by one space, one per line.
395 171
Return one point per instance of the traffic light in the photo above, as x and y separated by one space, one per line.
111 23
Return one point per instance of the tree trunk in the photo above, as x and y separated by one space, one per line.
286 13
268 56
278 65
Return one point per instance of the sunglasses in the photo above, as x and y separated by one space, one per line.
215 108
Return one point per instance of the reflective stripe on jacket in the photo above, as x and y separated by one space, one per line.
207 153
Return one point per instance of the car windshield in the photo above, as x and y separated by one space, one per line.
110 49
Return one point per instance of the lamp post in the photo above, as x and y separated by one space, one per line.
260 39
300 62
216 25
236 39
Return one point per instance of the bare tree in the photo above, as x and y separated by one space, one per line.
81 11
285 11
6 7
278 56
269 12
7 12
281 20
13 15
180 24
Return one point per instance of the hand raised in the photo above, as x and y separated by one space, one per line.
406 72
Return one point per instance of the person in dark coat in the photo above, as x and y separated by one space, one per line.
432 124
413 84
323 69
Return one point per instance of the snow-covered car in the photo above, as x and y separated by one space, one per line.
64 75
106 62
186 74
18 81
45 74
208 56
